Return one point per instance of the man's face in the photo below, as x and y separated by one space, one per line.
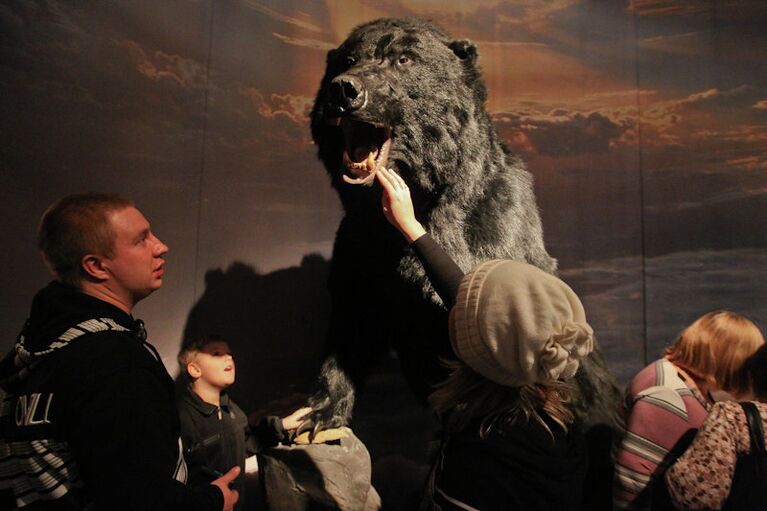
215 364
137 265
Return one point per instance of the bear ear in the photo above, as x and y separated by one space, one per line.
464 49
331 56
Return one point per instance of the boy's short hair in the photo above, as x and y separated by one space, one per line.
715 347
75 226
193 347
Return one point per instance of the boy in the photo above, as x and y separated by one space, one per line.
214 430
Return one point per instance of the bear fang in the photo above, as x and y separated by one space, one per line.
26 410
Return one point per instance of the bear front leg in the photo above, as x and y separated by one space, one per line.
352 350
333 403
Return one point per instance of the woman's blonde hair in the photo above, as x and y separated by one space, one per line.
467 397
714 349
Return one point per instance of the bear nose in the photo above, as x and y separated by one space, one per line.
347 93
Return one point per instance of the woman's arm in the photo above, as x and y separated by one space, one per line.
397 205
701 478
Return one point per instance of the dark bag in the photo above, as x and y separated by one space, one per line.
656 492
749 483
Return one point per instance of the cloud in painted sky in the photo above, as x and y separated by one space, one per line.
561 134
158 65
738 9
709 116
296 108
667 7
302 22
304 42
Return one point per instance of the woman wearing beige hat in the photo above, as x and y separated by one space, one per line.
518 333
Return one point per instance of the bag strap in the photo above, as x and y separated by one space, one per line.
755 427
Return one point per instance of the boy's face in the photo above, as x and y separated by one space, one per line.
213 364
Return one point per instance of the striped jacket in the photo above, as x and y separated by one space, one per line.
660 415
88 418
34 462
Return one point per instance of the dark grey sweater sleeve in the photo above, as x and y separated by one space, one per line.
266 433
442 271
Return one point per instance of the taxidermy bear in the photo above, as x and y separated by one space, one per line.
402 94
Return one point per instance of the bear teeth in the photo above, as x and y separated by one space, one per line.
367 148
365 166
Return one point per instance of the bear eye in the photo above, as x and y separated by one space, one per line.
350 61
404 59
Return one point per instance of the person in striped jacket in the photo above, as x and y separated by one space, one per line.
668 400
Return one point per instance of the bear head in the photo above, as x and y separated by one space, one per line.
400 94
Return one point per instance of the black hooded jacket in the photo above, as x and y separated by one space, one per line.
89 415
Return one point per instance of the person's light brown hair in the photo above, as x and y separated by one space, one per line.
715 347
75 226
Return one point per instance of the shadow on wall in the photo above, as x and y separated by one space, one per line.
275 324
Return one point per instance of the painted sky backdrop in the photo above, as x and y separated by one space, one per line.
643 122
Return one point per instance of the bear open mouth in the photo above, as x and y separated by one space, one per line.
366 150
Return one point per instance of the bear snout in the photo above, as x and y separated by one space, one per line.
347 93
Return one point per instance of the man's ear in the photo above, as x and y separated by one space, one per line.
93 266
193 370
464 50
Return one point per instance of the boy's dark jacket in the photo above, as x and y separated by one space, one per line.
218 438
103 403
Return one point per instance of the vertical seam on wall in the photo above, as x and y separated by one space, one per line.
641 190
202 151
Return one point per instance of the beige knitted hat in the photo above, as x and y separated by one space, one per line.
516 324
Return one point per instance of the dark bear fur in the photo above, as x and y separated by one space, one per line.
408 80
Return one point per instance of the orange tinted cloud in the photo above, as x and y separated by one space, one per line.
667 7
561 134
160 66
731 9
451 14
296 108
300 20
304 42
711 112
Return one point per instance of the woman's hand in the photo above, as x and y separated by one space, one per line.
398 206
295 419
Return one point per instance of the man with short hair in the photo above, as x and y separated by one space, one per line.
89 420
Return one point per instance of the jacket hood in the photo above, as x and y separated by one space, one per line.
55 309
